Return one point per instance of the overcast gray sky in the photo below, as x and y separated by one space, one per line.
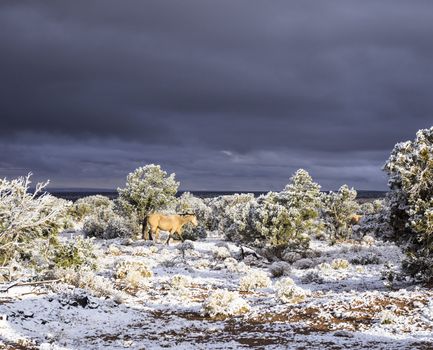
230 95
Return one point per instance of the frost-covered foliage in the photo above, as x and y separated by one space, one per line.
340 264
221 253
75 254
253 280
25 215
279 268
148 189
288 292
228 213
410 170
87 279
132 274
338 211
376 221
109 222
90 205
275 221
225 303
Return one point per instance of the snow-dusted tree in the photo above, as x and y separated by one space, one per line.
279 221
89 205
223 209
25 214
302 197
148 189
338 211
410 170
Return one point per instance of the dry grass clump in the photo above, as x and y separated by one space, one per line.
387 317
340 264
87 279
225 303
253 280
133 274
180 282
233 265
288 292
221 253
201 264
113 250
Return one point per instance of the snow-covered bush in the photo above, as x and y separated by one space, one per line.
221 253
279 268
368 258
253 280
180 282
312 277
377 222
288 292
132 274
387 317
222 209
106 223
410 170
123 268
25 215
184 247
340 264
338 211
224 303
90 205
87 279
148 188
75 254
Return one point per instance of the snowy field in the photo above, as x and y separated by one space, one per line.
339 300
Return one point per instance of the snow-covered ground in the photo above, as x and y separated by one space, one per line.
342 306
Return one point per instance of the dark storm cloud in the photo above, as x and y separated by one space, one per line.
229 94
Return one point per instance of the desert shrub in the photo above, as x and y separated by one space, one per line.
377 223
253 280
221 253
132 274
312 277
180 282
340 264
26 215
222 213
277 222
279 268
87 279
338 210
107 223
387 317
192 233
147 189
90 205
224 303
410 170
289 293
366 259
75 254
